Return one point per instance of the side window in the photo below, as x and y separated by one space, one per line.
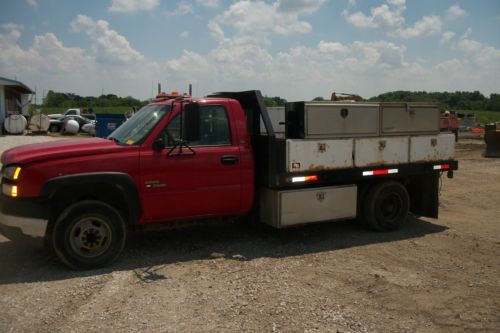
172 133
214 126
211 128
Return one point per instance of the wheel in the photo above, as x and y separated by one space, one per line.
88 234
386 206
53 128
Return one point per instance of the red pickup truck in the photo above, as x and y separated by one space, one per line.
187 158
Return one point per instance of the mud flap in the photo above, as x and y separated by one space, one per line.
424 195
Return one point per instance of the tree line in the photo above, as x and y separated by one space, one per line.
69 100
458 100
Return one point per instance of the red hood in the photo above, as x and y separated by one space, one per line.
59 149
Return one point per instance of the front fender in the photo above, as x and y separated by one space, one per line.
121 181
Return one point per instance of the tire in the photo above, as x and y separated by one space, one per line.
53 128
88 234
386 206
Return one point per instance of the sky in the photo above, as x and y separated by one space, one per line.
295 49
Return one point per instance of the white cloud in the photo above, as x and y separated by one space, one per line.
12 26
384 16
367 68
46 56
209 3
299 6
446 37
108 45
12 36
455 12
475 66
216 31
331 47
427 26
132 6
467 33
241 59
258 20
49 64
397 3
465 43
328 66
32 3
390 17
183 8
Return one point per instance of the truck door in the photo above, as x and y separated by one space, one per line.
203 182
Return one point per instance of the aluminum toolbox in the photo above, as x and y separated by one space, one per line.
381 151
317 155
409 118
313 120
432 148
286 208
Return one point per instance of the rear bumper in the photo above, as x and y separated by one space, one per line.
22 218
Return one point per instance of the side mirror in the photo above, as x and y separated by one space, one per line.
158 144
192 122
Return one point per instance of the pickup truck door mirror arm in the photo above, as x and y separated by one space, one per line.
179 145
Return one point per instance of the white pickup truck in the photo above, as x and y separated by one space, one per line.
57 120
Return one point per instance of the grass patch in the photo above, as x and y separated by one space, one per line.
484 117
108 110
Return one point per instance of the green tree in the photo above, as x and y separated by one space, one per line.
274 101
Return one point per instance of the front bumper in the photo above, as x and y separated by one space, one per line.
22 218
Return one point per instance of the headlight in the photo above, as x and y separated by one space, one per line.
12 172
10 190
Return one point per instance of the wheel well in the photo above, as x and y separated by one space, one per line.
423 191
364 187
108 193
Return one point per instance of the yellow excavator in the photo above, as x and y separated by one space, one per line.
346 97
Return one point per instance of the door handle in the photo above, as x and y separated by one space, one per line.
229 159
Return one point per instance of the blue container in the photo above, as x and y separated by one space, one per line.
107 123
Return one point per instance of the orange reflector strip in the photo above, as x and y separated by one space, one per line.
304 179
380 172
442 167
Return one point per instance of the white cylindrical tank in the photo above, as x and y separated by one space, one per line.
15 124
39 123
89 128
71 126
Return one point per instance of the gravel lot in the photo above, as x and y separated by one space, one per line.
433 276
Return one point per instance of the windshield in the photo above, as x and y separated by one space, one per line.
135 130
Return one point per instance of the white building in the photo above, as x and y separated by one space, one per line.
15 97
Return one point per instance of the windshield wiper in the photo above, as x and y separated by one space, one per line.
118 142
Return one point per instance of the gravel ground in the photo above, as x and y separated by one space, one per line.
10 141
432 276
